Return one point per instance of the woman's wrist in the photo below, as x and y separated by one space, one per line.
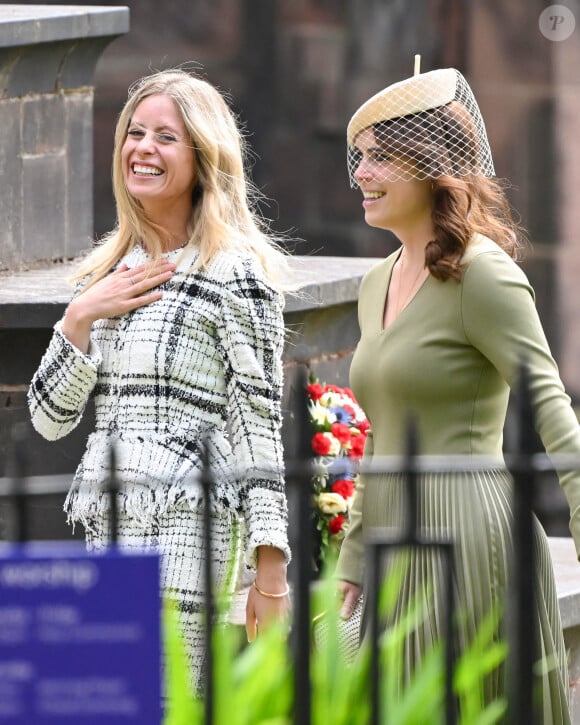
272 595
271 570
76 326
77 314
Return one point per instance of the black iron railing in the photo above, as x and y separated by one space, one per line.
525 465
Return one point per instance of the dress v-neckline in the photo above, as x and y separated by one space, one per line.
388 278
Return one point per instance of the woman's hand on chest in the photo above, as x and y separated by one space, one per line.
122 291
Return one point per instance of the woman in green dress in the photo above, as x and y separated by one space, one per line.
445 321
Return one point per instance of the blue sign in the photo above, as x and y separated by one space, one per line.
80 637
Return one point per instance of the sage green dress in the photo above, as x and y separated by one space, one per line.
450 358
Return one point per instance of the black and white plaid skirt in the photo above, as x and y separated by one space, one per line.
178 536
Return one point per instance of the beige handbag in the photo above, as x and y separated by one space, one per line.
348 632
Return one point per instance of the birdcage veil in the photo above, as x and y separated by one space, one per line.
425 126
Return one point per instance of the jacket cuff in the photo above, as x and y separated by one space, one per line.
266 523
93 357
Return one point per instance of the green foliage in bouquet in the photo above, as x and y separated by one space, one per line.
254 684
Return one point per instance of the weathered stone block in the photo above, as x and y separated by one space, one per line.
333 370
11 174
291 426
79 200
10 241
46 157
42 457
46 520
44 187
78 65
30 25
43 124
26 348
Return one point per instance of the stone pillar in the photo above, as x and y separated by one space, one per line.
48 55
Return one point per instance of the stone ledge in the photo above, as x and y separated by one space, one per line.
37 298
33 24
567 571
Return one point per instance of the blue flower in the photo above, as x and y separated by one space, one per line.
342 415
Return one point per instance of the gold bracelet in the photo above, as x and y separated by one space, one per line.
271 596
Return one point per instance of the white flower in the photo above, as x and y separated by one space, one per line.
346 400
359 413
330 399
331 503
321 415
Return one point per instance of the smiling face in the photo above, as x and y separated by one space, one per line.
158 161
389 202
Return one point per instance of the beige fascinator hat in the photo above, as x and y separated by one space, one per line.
425 126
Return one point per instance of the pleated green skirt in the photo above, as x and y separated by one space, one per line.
474 510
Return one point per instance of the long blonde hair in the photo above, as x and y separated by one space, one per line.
224 215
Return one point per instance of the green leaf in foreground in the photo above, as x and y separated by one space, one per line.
254 683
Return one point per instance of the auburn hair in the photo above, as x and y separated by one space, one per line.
442 143
463 206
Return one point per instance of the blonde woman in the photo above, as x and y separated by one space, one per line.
176 330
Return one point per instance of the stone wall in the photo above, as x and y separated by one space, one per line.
47 62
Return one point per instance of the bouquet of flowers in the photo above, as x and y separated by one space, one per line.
341 430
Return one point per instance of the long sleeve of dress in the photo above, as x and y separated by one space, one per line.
500 319
251 338
61 386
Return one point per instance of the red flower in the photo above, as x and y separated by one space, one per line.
332 389
349 393
336 524
320 444
315 390
357 445
344 487
364 426
341 431
350 410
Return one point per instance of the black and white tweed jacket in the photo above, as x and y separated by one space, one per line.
206 359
